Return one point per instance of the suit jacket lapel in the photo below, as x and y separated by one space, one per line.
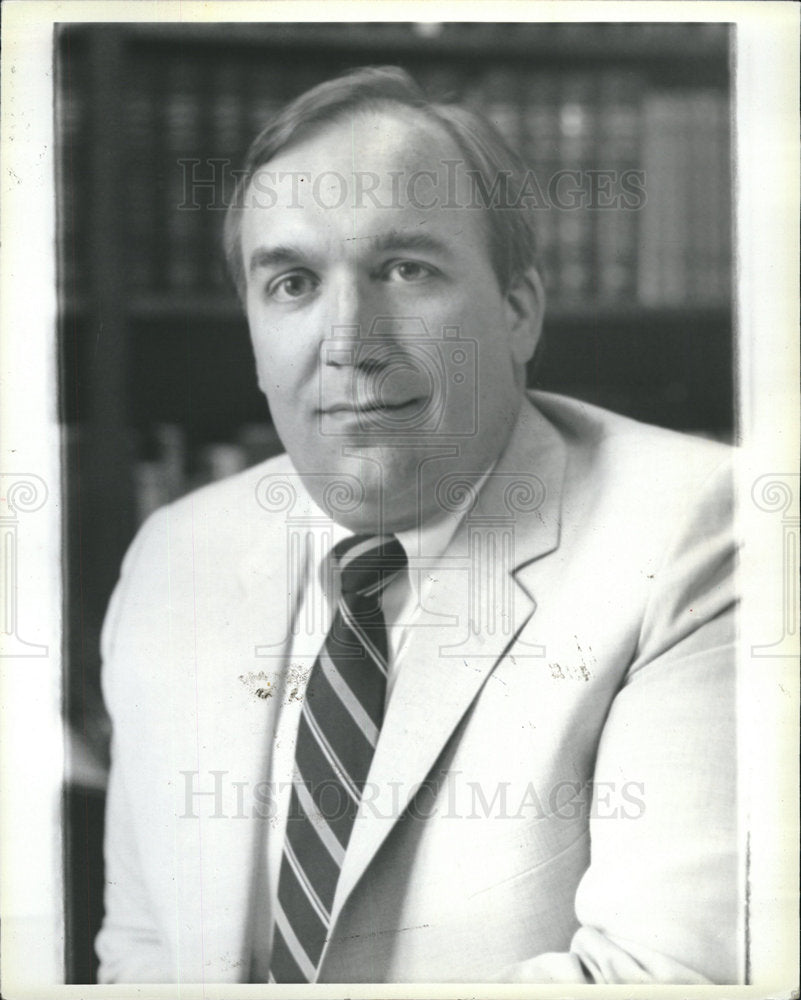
515 521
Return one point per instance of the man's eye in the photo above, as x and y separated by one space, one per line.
292 287
409 271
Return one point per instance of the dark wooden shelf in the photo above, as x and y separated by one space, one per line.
611 41
202 308
185 306
154 307
605 314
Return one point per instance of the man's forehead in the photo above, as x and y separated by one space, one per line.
359 179
390 157
392 133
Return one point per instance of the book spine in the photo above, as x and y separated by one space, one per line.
702 221
227 143
722 171
540 151
617 212
149 489
259 442
657 166
678 178
223 460
142 206
184 251
172 447
266 95
501 104
578 115
160 477
72 121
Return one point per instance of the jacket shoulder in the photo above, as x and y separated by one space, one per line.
631 451
658 489
227 515
233 489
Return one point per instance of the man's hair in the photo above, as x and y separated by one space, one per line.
487 156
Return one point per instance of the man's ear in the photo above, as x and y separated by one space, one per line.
525 309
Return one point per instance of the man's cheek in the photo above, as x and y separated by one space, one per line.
269 368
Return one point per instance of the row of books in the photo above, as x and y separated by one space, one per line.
170 466
635 183
629 183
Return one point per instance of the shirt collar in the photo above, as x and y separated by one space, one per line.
427 542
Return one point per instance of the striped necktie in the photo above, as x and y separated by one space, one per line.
340 721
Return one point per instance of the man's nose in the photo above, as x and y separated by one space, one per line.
354 305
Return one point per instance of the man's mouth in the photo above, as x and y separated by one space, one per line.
355 408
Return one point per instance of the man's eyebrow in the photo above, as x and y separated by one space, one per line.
392 240
272 256
399 239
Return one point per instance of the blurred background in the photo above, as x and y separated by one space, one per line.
158 389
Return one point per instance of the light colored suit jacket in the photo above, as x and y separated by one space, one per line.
553 792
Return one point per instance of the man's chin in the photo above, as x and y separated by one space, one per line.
371 486
366 492
368 511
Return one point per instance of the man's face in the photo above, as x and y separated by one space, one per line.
387 352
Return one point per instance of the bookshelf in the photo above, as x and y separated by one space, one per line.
158 392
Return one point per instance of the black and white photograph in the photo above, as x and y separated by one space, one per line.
400 498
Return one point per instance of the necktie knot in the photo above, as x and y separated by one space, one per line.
367 564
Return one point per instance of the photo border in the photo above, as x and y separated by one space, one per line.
766 64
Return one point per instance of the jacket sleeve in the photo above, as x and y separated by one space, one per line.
659 902
129 945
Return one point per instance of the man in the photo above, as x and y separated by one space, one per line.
447 692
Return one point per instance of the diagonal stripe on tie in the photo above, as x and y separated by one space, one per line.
317 824
334 766
304 883
338 730
348 697
332 799
369 639
289 962
301 910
